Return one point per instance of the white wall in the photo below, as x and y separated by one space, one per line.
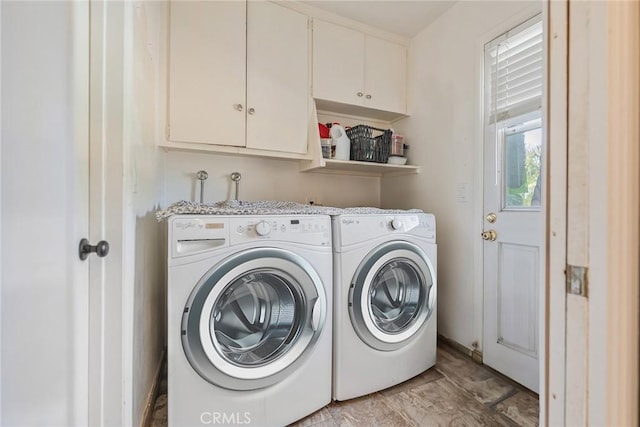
444 132
263 179
144 162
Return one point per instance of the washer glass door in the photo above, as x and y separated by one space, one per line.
392 295
253 318
396 295
258 317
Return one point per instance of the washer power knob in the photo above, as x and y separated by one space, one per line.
396 223
263 228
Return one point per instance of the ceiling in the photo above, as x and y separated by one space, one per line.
405 18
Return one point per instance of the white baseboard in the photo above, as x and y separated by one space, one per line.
471 352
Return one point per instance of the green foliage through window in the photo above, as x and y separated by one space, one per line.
523 152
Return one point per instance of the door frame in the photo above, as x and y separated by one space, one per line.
552 405
623 326
0 221
110 322
593 372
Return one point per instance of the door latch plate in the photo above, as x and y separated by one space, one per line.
577 280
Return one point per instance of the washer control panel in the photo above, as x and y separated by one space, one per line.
263 228
302 229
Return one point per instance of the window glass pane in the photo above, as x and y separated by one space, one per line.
522 150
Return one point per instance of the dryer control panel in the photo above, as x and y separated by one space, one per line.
352 229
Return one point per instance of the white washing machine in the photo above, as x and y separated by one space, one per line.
249 319
384 301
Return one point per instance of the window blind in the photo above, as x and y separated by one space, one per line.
513 65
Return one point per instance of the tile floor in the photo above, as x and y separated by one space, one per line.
456 392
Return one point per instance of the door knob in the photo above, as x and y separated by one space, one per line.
251 111
490 235
238 107
85 248
491 217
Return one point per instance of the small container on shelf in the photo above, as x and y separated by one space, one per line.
397 160
397 145
325 144
341 142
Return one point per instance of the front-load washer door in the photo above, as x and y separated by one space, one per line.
392 295
253 318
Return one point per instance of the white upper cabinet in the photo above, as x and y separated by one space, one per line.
338 63
239 75
277 78
207 72
385 73
351 67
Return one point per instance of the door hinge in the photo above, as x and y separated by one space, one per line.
167 134
577 280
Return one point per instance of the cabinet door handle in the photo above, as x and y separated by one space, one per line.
238 107
368 96
251 111
360 94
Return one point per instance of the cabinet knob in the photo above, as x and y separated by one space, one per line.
238 107
251 111
368 96
360 94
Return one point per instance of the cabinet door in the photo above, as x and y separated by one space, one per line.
207 63
277 78
338 63
385 75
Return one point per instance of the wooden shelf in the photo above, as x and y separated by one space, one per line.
359 111
318 164
225 149
350 167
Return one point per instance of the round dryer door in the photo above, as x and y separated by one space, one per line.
392 295
253 318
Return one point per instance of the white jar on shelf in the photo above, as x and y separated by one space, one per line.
341 141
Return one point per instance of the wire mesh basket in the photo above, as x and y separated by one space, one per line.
368 147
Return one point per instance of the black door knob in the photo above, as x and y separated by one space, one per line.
85 248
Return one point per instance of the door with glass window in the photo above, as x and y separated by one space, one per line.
513 219
253 319
392 295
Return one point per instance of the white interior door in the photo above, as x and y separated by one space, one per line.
513 247
44 288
